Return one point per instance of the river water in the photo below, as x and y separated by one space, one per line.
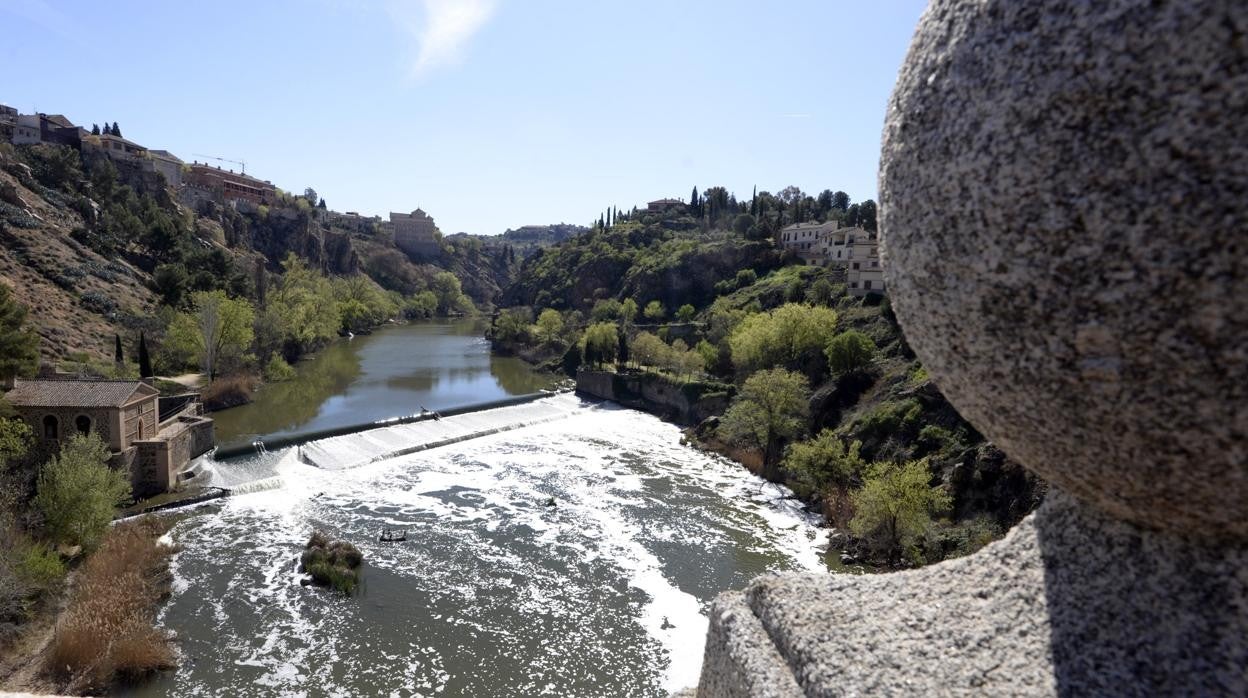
495 593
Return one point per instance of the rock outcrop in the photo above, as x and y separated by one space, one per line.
1086 313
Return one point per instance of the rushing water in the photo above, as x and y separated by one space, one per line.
392 372
495 593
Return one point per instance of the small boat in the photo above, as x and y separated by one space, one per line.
389 536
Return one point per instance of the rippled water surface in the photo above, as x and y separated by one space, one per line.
494 593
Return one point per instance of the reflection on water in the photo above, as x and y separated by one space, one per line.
395 371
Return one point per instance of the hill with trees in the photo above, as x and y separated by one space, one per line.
817 388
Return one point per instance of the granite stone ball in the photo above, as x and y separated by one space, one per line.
1064 214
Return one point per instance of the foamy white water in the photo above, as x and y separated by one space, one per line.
495 593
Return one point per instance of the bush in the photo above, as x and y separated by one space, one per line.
849 351
685 313
278 370
894 506
78 492
107 634
42 567
782 337
333 564
228 391
825 460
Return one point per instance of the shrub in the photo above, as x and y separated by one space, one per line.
654 311
746 277
333 564
825 460
278 370
41 567
849 351
78 492
894 506
685 313
783 336
107 633
228 391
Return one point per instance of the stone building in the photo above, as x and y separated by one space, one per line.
115 147
416 234
808 240
663 204
169 165
864 274
153 437
46 128
229 185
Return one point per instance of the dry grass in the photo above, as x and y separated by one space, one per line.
107 634
228 391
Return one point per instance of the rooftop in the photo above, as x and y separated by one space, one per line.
75 392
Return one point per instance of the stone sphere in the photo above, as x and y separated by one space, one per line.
1064 214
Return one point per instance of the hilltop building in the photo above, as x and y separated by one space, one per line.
8 120
152 437
864 275
46 128
416 234
169 165
663 204
855 250
808 240
230 185
115 147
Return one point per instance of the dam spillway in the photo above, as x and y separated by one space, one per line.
370 446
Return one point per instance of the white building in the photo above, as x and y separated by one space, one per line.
863 274
808 240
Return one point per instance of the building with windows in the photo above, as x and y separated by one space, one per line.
863 274
115 147
169 165
46 128
154 438
663 204
808 240
229 185
416 234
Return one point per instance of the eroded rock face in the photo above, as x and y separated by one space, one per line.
1064 211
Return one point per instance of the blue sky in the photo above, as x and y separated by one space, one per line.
489 114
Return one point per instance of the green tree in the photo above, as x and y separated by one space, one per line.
511 325
746 277
772 406
654 311
685 313
78 492
895 506
821 292
116 131
19 345
605 310
170 281
119 358
783 336
217 330
849 351
628 312
15 437
601 343
549 326
825 460
742 224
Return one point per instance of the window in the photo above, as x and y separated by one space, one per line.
866 284
83 423
50 427
855 265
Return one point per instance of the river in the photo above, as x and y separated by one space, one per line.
495 593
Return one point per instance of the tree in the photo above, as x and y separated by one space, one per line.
849 351
648 350
601 343
742 224
145 361
217 329
119 358
654 311
321 205
549 326
866 215
840 200
95 129
895 505
785 336
772 405
116 130
605 310
511 325
170 281
78 492
310 195
685 313
825 460
628 312
821 293
15 437
19 344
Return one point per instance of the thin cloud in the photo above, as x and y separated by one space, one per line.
442 29
797 115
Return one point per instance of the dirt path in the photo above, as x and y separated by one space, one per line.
21 667
190 380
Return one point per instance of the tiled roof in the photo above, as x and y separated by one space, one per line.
74 393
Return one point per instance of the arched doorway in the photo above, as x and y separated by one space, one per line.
51 427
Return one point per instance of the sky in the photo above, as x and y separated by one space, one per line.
488 114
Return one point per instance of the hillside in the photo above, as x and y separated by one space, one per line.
698 307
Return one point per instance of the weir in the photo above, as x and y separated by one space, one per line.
278 442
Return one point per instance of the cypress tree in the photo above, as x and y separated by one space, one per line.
116 131
145 362
95 129
119 358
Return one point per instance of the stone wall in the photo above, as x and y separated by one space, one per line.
683 403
